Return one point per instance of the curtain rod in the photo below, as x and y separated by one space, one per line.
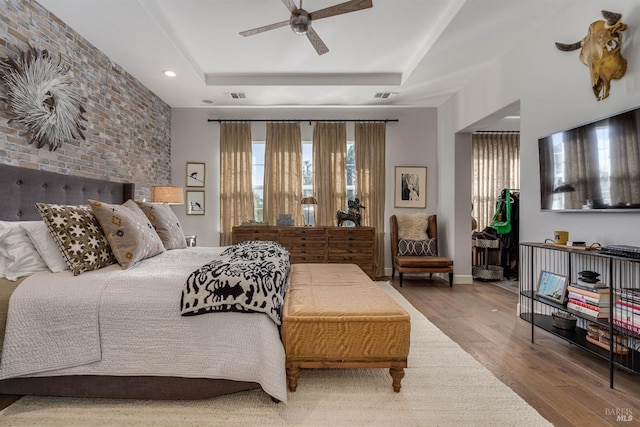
497 131
300 120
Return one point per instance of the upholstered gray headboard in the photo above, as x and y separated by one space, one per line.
21 189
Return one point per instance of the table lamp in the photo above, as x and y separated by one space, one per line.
306 202
167 194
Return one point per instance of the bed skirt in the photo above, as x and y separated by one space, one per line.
167 388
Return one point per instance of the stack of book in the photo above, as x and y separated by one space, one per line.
626 313
599 336
591 299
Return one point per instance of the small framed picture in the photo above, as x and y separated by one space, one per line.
195 202
411 187
552 286
195 174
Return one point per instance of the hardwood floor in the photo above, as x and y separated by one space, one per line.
566 385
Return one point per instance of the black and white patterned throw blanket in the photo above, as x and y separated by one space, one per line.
248 277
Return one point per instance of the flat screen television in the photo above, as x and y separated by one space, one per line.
594 167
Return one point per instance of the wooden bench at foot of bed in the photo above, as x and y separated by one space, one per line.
335 316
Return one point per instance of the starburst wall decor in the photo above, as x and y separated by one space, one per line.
41 95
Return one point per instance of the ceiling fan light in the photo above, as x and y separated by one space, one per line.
300 28
300 21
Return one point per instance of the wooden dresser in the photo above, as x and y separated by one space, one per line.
352 245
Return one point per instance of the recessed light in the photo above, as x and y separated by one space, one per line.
169 73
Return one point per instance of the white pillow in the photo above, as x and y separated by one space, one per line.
20 256
45 245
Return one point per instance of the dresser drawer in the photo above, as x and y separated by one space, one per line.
303 242
253 234
344 245
298 258
303 233
350 236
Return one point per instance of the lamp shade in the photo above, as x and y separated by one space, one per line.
309 201
167 194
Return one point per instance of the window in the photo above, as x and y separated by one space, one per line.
257 161
351 171
257 176
307 169
307 181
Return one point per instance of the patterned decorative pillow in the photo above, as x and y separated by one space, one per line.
79 236
417 247
128 230
166 224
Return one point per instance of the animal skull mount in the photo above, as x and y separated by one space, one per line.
601 52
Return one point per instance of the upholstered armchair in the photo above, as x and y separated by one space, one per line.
414 246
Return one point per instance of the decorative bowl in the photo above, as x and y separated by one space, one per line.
563 320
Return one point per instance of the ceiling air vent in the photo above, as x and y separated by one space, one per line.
384 95
237 95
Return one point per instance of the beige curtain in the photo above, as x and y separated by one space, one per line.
283 172
496 166
236 192
330 170
370 183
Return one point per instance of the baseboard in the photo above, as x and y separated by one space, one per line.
459 279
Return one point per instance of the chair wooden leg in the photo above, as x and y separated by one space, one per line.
400 278
451 279
393 272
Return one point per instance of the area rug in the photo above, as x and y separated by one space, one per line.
510 285
443 386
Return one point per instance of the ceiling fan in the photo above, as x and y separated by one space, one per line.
300 20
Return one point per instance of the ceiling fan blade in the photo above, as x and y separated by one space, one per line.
265 28
339 9
290 5
317 42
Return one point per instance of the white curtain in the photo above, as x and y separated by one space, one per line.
283 172
496 165
329 170
370 184
236 192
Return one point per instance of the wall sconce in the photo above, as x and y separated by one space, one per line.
306 202
167 194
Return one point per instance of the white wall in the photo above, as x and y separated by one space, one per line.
410 142
554 92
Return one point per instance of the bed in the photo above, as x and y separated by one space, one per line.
141 352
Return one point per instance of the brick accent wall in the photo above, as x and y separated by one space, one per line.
128 136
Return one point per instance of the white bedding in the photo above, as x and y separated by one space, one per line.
127 322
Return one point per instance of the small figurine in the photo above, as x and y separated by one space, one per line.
353 214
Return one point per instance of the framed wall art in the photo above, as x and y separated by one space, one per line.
411 187
552 286
195 202
195 174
